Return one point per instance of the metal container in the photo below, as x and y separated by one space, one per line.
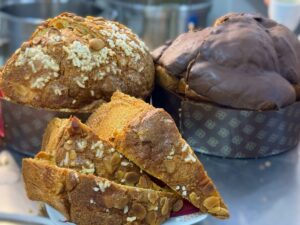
19 18
157 21
24 126
232 133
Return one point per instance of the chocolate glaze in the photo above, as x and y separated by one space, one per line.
244 61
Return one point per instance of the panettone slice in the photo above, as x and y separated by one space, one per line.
72 144
149 137
90 200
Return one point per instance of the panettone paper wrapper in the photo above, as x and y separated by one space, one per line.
24 126
232 133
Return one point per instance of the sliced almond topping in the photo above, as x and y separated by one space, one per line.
132 177
170 166
151 217
138 210
165 206
177 205
211 202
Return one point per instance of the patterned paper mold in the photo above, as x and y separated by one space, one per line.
25 126
232 133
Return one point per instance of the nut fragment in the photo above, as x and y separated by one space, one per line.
108 166
143 182
67 145
96 44
151 218
177 205
73 155
211 202
59 188
132 177
222 213
138 210
165 206
170 166
115 160
58 25
152 197
195 200
121 202
119 174
71 181
219 212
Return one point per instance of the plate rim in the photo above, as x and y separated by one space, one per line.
53 215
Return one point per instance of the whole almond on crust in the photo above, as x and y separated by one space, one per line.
96 44
138 210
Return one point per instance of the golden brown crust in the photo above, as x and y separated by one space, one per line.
72 63
72 144
87 199
151 140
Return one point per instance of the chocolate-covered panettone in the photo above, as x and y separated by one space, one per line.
244 61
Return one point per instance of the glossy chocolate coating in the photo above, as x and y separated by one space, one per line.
244 61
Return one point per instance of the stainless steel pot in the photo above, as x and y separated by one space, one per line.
19 18
156 21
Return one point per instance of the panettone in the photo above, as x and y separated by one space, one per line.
149 137
89 200
244 61
74 64
72 144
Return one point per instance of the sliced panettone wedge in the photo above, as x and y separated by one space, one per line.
72 144
149 137
89 200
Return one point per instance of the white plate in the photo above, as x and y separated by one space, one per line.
57 218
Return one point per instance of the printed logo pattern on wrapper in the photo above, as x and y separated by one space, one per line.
240 133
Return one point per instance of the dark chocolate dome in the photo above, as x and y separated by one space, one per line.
244 61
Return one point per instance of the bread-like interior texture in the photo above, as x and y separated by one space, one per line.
74 64
72 144
89 200
149 137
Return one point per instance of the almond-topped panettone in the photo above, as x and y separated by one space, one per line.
72 144
244 61
74 64
149 137
89 200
